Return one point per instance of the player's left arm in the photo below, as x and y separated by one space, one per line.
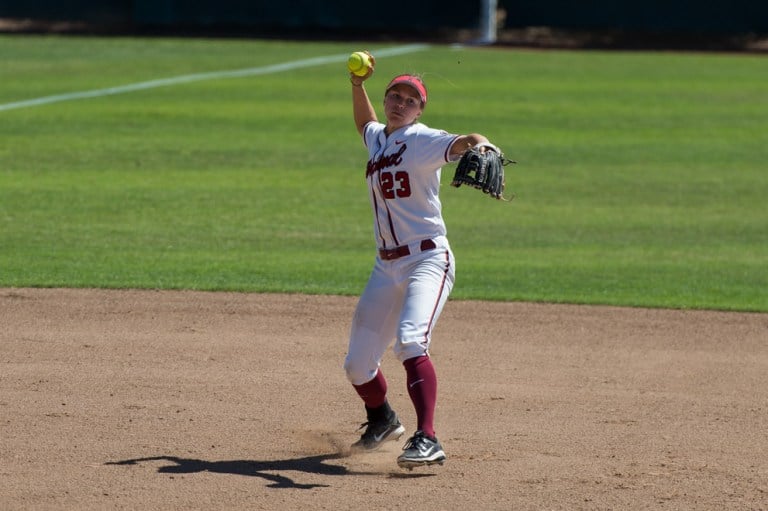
464 142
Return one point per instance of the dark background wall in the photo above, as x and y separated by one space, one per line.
738 16
419 18
337 14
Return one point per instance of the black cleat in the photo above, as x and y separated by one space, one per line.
378 432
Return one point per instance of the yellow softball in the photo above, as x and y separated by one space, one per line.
358 63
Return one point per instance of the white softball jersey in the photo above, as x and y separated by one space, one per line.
403 175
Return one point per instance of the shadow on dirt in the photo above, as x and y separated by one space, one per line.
264 469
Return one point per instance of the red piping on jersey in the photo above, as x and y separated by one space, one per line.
442 287
389 219
391 227
376 213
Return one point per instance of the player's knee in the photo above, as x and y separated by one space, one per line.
357 374
405 350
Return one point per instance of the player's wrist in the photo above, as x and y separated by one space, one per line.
355 80
487 145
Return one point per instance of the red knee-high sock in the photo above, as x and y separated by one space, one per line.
374 392
422 387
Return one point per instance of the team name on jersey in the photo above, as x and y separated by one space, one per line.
385 161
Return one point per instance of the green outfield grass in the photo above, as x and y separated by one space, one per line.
641 181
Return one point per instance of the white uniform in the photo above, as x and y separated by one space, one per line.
414 270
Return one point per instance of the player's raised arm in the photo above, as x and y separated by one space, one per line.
361 105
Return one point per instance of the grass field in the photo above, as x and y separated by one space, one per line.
641 178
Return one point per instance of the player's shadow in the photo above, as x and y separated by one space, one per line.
308 464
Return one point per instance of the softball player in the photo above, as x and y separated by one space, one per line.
414 269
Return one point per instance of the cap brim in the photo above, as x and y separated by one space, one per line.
412 82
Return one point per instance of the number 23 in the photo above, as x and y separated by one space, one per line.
388 180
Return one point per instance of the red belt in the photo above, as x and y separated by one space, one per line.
389 254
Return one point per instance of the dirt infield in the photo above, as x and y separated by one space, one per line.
186 400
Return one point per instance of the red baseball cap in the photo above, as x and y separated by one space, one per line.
413 81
